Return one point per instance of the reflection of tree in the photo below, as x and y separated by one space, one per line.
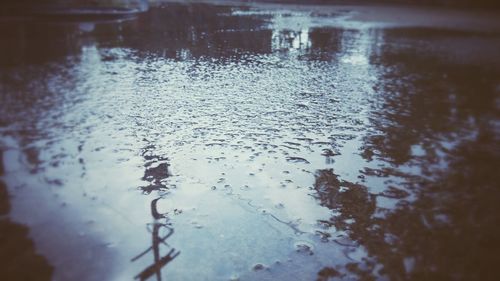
196 30
176 31
326 43
448 231
160 233
445 233
156 172
426 98
351 200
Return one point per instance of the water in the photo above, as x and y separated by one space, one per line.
218 142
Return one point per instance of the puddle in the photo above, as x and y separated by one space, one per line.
239 143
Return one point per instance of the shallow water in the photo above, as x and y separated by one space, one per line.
210 142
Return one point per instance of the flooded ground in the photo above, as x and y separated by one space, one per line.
230 142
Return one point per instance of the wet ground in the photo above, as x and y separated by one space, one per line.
229 142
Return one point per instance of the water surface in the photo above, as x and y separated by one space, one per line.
215 142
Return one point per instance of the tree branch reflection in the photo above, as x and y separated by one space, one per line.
156 172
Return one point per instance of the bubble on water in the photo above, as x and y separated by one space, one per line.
258 267
304 247
323 235
345 241
295 159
